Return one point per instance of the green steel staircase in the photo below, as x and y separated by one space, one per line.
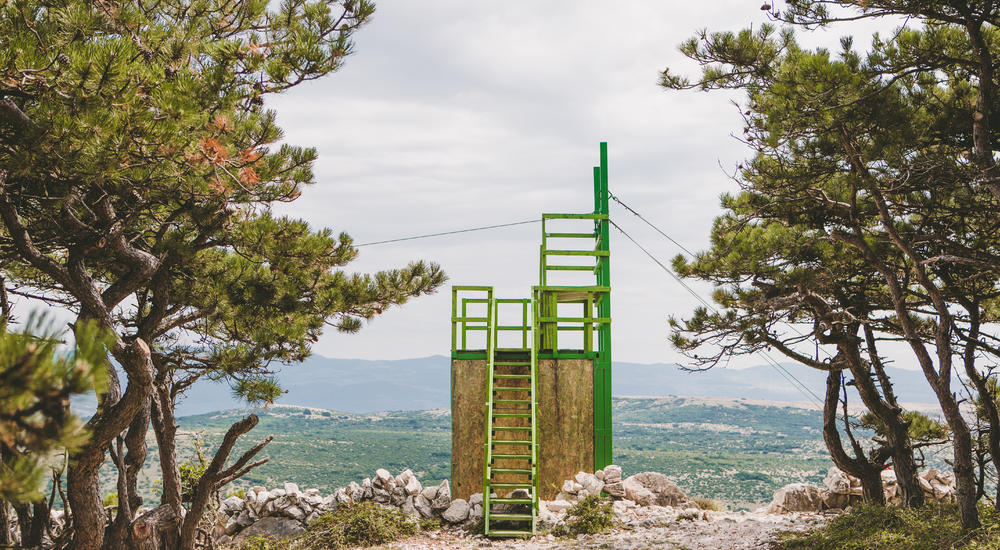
573 271
510 476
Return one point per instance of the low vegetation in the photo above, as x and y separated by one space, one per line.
865 527
358 524
591 515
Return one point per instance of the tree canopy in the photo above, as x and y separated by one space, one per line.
139 167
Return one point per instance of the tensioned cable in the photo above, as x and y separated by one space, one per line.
689 253
795 382
657 229
448 233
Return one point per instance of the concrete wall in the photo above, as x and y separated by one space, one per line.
565 418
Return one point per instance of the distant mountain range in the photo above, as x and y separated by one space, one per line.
363 386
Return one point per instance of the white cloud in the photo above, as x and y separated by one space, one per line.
454 114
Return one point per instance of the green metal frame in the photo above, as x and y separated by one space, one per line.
540 340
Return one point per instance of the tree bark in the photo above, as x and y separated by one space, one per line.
859 466
129 500
216 475
111 420
156 530
897 428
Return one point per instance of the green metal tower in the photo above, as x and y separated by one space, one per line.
574 272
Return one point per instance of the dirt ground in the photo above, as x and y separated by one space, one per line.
653 528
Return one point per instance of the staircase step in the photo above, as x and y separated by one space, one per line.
512 442
511 415
513 428
512 457
518 376
496 533
500 500
511 485
526 471
513 401
510 517
504 388
513 363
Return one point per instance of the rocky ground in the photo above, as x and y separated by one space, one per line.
649 527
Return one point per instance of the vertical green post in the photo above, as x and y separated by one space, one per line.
603 454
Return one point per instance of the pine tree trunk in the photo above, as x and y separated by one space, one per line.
859 467
5 525
83 491
897 429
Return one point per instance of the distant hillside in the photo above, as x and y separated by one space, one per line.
728 449
364 386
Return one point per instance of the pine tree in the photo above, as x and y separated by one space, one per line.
138 168
886 161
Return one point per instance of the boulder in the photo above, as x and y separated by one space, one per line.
570 486
275 528
409 506
652 488
354 491
590 483
599 474
412 486
616 490
423 506
612 473
558 505
457 512
232 505
295 512
292 491
476 512
836 481
797 497
429 492
475 498
836 501
382 478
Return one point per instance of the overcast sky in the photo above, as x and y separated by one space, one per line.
454 114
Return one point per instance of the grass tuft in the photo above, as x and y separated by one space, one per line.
591 515
869 527
357 524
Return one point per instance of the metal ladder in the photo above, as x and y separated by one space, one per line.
511 460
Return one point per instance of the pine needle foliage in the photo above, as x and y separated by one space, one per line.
37 378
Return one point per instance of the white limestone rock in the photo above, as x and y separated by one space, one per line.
457 512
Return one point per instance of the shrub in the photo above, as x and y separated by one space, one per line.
870 527
593 514
357 524
709 504
258 542
110 499
430 524
239 493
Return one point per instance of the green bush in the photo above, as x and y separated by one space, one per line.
593 514
430 524
358 524
869 527
258 542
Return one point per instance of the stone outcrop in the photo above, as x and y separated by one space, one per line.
840 490
286 511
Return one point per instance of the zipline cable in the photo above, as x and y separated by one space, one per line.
448 233
657 229
795 382
691 254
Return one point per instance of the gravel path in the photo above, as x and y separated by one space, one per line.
651 527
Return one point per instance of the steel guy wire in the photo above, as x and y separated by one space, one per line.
795 382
